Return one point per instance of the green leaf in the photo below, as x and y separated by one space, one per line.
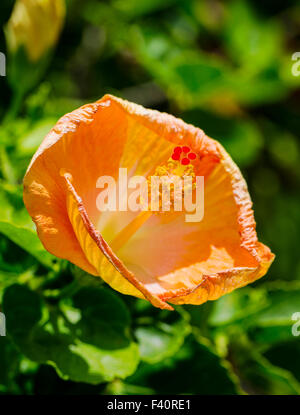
266 313
188 76
269 379
6 279
23 311
267 336
86 341
287 356
273 324
82 362
105 318
28 240
10 269
160 340
28 144
199 74
16 224
122 388
251 42
258 375
6 166
237 306
134 8
196 369
23 75
283 304
9 361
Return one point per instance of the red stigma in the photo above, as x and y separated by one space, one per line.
177 150
192 156
186 149
185 161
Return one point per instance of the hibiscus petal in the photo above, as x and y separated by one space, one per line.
99 253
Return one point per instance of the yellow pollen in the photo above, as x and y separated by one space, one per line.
166 186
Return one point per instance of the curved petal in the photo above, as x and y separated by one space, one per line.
213 286
160 258
99 253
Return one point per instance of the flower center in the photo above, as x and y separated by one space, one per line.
169 183
166 189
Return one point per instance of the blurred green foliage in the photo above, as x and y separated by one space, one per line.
225 67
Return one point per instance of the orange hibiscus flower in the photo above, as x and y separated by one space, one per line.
158 256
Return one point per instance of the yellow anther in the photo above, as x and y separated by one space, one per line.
166 187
